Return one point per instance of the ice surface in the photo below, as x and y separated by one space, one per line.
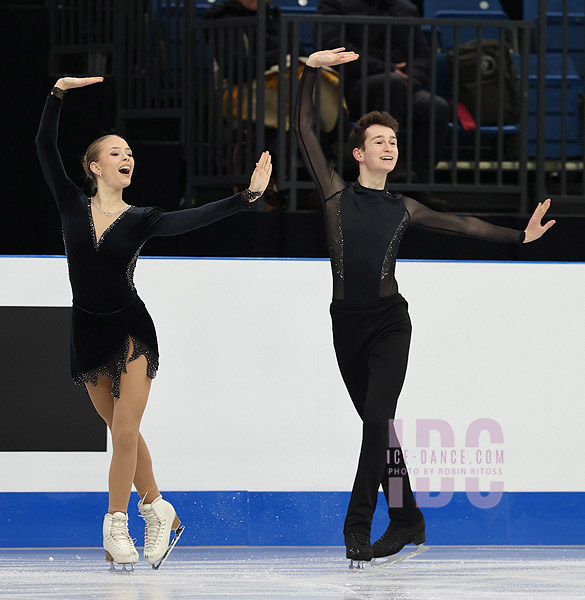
445 572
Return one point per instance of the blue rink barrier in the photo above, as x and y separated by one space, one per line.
73 519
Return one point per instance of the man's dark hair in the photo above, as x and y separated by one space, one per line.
357 136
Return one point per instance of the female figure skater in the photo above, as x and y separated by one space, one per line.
114 351
371 325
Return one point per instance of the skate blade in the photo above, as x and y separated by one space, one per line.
178 534
359 565
122 566
395 558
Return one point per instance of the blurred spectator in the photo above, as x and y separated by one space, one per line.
513 8
231 9
418 73
238 9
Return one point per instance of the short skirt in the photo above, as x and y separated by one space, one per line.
100 343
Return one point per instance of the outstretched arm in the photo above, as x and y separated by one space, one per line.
161 223
326 178
46 140
425 218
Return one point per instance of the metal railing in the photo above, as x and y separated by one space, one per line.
214 131
224 107
149 59
82 35
552 174
168 63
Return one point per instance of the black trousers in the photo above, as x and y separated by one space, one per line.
372 343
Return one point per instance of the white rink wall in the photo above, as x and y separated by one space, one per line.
248 396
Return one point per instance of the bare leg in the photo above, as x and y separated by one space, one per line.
144 480
131 459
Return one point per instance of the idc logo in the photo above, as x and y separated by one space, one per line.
436 462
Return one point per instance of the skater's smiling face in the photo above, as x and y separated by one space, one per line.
379 151
110 162
115 163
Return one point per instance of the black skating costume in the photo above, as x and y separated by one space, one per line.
371 325
107 310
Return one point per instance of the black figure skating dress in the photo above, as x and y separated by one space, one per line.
107 310
371 325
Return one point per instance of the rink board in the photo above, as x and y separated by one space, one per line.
248 397
69 519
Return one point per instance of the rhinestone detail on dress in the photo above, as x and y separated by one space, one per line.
131 268
333 209
389 263
114 368
97 243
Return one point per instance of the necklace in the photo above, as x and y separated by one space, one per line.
108 214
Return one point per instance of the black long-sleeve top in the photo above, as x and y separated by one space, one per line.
101 271
419 69
365 226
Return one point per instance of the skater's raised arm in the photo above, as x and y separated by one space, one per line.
161 223
425 218
326 178
46 140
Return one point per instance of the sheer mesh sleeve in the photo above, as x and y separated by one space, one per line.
327 179
161 223
425 218
51 164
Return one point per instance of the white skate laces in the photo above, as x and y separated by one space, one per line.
160 519
118 544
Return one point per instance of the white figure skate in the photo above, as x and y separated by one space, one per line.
160 519
118 544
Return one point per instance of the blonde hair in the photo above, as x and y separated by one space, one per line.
92 154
